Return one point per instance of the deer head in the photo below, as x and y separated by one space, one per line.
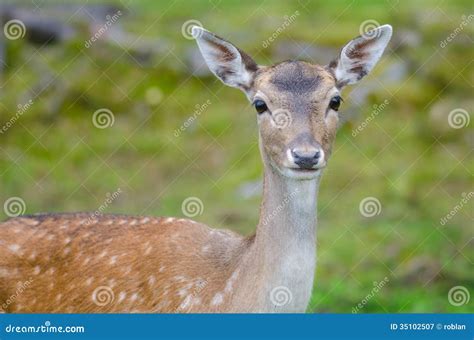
297 102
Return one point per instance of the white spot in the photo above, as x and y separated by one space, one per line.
133 222
67 240
122 222
187 301
113 259
108 222
217 299
66 250
14 248
182 292
103 254
122 296
205 249
64 226
144 220
161 269
32 256
50 237
37 270
89 281
134 297
151 280
230 282
168 220
86 261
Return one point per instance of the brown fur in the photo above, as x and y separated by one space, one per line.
154 258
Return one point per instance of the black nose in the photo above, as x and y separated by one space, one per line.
306 159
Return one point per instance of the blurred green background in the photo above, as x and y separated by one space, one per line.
151 77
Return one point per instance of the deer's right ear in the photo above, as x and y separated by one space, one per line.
227 62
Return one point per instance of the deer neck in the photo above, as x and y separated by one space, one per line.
284 248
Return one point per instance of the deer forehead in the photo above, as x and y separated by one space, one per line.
296 86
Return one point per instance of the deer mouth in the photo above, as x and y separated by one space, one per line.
301 173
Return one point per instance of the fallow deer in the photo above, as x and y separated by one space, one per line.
84 263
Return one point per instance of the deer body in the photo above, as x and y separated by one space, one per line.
110 263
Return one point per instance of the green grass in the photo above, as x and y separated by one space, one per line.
415 165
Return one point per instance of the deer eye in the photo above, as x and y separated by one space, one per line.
335 103
260 106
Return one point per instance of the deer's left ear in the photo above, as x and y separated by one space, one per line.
227 62
360 55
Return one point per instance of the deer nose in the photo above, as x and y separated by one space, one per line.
306 158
